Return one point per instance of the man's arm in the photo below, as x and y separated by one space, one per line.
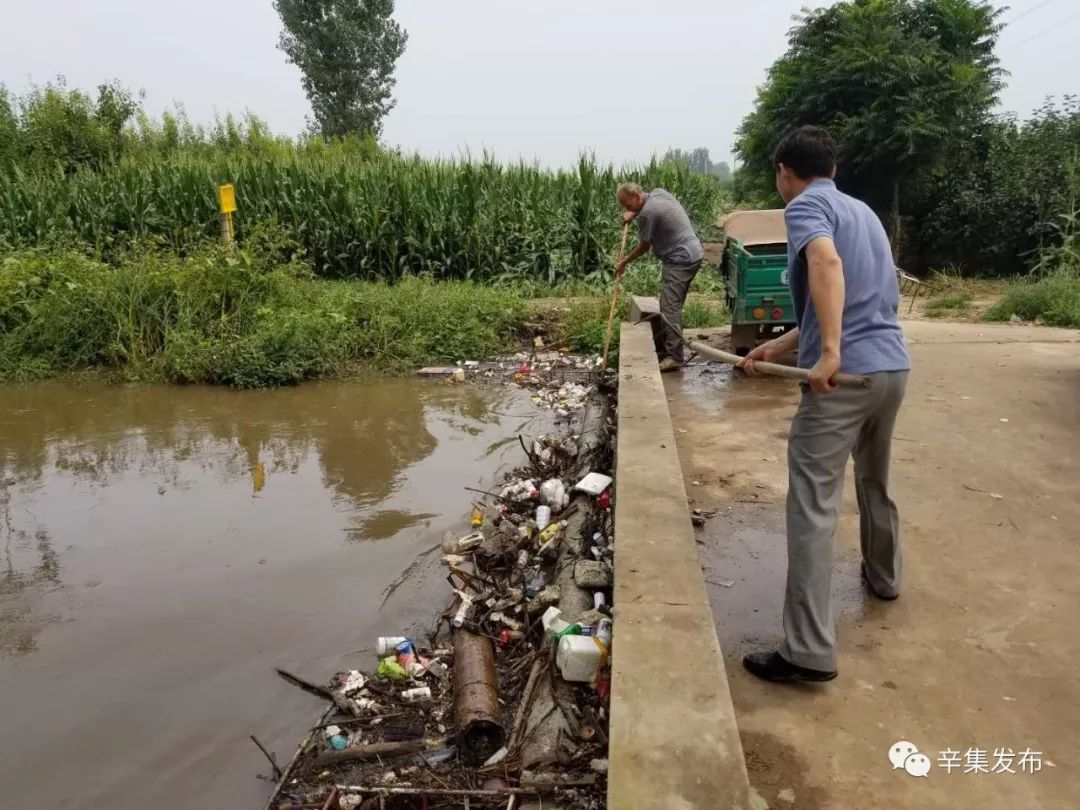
771 350
635 254
825 273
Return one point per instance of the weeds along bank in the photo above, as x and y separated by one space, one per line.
222 316
355 213
255 319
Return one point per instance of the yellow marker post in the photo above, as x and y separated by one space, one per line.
226 207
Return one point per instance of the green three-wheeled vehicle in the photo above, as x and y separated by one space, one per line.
754 264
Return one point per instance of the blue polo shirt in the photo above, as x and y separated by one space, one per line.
871 338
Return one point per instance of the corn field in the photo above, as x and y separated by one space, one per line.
381 217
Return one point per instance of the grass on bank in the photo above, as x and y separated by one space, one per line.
1052 298
260 318
232 318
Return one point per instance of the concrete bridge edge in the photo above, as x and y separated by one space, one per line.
674 739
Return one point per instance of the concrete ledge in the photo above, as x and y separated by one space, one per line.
643 308
674 742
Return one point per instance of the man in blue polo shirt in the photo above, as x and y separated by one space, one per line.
843 284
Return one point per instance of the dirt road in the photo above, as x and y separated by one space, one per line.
981 650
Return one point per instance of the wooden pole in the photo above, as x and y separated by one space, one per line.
614 296
777 369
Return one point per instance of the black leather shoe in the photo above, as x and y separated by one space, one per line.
884 597
771 666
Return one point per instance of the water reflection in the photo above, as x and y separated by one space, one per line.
363 438
364 435
30 566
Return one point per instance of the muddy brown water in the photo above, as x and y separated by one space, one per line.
162 549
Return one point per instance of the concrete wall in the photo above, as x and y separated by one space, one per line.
674 742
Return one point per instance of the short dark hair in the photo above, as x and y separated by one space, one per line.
808 151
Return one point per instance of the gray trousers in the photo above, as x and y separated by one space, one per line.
827 429
674 285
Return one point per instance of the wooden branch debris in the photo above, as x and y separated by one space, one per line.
382 750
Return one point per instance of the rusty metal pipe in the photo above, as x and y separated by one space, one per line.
480 732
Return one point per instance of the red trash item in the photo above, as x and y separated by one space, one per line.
603 500
603 687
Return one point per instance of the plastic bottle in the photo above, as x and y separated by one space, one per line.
386 645
551 535
463 611
580 658
603 632
571 630
476 519
543 517
406 654
553 622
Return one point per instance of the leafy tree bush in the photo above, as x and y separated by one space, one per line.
895 81
1001 195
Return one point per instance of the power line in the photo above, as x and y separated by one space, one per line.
1038 34
1031 10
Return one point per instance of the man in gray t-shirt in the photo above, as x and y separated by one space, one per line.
664 228
844 287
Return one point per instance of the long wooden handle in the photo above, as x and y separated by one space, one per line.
777 369
614 296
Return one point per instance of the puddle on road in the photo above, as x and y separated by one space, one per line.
163 548
748 545
714 387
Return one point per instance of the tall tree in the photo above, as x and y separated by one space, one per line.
699 161
346 50
893 80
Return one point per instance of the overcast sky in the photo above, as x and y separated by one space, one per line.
535 80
